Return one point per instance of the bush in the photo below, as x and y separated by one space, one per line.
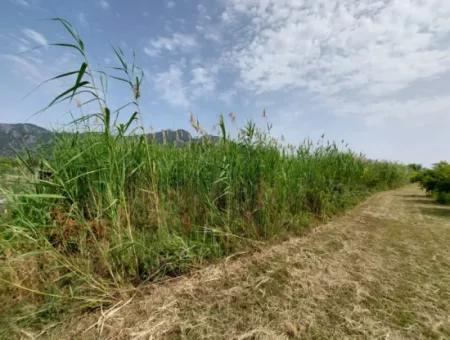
436 181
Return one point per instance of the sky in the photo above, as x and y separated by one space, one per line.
375 74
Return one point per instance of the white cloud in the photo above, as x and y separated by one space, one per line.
32 68
104 4
176 42
226 17
25 68
435 108
203 81
22 3
203 12
209 32
227 96
82 19
179 88
355 54
34 36
170 86
170 4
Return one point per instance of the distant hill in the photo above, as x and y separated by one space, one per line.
19 137
170 136
179 137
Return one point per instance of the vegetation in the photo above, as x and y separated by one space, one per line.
330 284
110 209
415 167
436 181
7 165
7 168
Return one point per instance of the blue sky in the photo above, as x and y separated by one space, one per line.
374 73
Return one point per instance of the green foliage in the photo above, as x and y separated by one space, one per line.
112 209
436 181
7 165
415 167
119 210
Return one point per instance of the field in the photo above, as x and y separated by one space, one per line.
380 271
117 211
106 213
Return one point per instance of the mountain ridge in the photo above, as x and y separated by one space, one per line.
22 136
19 137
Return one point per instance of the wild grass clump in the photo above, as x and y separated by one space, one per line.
108 209
7 165
436 181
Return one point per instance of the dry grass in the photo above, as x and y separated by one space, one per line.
381 271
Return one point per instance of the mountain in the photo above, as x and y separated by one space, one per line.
179 137
19 137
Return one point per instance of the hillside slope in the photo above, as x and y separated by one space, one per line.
17 137
381 271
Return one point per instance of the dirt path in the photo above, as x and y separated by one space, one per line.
381 271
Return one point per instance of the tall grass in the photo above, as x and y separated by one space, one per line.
115 209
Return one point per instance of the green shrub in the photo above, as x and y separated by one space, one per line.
443 197
436 181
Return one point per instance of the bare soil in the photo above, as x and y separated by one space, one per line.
380 271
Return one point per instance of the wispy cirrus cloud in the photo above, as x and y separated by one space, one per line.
23 3
104 4
35 36
25 67
82 19
177 42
